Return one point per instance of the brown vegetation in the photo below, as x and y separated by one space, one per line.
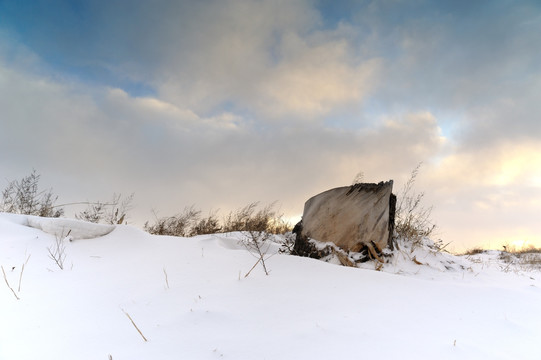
246 219
412 220
24 197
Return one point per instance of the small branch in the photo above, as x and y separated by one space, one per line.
58 252
253 267
7 283
57 258
133 323
83 203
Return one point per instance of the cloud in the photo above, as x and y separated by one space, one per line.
452 57
272 100
172 157
313 79
270 58
486 194
504 164
276 62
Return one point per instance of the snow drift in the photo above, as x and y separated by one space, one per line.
60 227
189 298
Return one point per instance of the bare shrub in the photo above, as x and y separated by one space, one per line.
258 244
287 243
57 252
240 219
207 225
530 249
474 251
94 213
178 225
413 220
247 218
24 197
112 212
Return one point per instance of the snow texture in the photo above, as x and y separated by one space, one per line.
190 299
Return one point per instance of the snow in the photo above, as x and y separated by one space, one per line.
190 299
60 227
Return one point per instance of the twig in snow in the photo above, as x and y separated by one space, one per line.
256 242
133 323
58 252
253 267
7 283
166 280
20 279
22 270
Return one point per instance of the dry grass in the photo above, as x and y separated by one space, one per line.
412 220
24 197
473 251
526 258
248 218
522 250
245 219
112 212
512 258
177 225
7 283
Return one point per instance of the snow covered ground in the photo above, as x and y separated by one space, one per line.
188 297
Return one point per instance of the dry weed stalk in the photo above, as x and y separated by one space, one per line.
21 275
133 323
7 283
20 279
253 267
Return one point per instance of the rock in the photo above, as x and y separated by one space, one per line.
357 218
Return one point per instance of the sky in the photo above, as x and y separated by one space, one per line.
221 103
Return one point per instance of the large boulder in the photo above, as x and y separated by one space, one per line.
355 218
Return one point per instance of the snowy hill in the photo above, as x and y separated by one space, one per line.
189 299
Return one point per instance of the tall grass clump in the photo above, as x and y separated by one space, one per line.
181 224
248 218
413 220
112 212
190 222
